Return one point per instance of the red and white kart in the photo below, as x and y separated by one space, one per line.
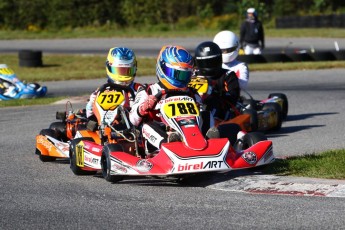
194 154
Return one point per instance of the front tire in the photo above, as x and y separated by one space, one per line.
248 140
229 131
106 162
73 157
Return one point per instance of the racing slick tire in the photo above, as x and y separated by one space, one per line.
229 131
73 158
254 121
106 162
275 107
60 128
249 139
47 132
285 107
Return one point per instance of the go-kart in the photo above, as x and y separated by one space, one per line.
192 154
53 143
251 115
12 88
111 128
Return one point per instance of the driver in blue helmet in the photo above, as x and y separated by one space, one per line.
174 68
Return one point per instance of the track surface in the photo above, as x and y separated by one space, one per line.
149 47
36 195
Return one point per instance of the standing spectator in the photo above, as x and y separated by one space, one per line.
252 33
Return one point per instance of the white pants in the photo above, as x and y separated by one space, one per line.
250 49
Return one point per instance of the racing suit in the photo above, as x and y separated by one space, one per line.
153 129
241 70
222 94
128 91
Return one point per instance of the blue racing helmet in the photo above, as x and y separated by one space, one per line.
174 67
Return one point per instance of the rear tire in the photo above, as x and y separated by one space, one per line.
106 162
60 128
73 158
275 107
285 106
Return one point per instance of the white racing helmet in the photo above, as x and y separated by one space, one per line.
229 44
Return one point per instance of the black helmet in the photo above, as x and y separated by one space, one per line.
208 59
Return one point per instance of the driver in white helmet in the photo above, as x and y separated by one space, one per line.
229 44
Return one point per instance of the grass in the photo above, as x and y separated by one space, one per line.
101 32
327 165
58 67
28 102
67 67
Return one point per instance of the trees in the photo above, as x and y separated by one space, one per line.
43 14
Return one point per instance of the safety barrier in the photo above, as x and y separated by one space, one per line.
293 57
317 21
30 58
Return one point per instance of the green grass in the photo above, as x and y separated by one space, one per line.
28 102
328 165
103 32
66 67
59 67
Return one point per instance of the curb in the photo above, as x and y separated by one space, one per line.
281 185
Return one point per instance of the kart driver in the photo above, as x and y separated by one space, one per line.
229 44
121 68
174 68
224 89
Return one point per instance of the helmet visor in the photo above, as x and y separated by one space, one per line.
179 75
229 50
124 71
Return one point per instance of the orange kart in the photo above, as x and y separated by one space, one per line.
53 143
251 115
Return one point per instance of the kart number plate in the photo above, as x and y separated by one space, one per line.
80 154
180 108
109 100
6 71
200 84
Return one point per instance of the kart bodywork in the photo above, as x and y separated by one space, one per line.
12 88
53 143
192 154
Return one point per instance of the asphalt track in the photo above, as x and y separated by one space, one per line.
36 195
150 47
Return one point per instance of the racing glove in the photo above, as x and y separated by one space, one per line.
89 104
147 105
